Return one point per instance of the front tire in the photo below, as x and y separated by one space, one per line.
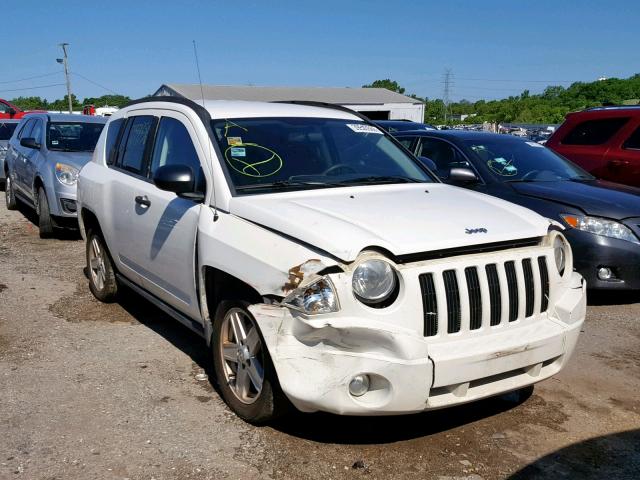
45 222
243 368
102 277
10 194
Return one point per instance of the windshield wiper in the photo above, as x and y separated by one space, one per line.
281 184
380 179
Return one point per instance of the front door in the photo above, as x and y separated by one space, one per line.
162 226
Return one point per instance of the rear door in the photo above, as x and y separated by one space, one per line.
588 141
163 225
623 158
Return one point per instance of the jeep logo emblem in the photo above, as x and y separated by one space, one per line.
469 231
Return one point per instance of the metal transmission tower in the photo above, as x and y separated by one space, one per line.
65 62
448 83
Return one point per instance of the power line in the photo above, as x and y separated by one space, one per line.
32 88
29 78
95 83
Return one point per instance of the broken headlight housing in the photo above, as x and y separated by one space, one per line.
374 281
316 297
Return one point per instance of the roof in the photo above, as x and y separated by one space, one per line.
342 96
66 117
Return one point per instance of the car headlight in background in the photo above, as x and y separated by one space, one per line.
374 281
317 297
66 174
600 226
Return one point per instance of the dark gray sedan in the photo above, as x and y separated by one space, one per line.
45 155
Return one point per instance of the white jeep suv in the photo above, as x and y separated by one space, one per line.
323 265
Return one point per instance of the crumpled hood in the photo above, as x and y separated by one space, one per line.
404 219
597 197
75 159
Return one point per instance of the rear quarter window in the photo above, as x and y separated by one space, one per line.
633 142
594 132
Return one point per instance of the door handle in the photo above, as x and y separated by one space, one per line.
618 163
143 200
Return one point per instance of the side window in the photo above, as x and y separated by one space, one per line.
174 146
4 108
633 142
25 129
133 158
37 131
594 132
113 134
406 142
444 155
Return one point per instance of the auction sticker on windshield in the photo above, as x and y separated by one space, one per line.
363 128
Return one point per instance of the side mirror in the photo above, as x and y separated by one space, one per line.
175 178
30 143
427 162
462 175
12 111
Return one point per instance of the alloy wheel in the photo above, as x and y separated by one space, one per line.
242 357
96 264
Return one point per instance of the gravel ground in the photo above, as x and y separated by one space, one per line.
93 391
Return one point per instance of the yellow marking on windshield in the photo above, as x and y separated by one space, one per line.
267 167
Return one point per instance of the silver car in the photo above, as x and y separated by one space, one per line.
44 158
7 127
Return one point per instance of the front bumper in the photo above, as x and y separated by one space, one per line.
315 359
590 252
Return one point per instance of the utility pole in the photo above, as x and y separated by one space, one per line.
65 62
448 82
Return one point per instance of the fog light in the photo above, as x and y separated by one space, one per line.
359 385
605 273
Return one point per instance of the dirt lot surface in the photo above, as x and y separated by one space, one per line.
93 391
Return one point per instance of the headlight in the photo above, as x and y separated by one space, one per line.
317 297
66 174
559 253
600 226
374 281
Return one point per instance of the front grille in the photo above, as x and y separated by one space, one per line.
494 292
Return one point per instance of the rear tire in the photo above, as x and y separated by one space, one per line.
10 194
102 277
257 398
45 222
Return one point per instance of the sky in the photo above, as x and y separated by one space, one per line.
493 48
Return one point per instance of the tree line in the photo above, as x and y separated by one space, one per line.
38 103
550 106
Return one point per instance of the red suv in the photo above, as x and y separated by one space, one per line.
604 141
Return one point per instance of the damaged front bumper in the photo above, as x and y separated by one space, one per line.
317 357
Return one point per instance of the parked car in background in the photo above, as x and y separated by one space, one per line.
7 127
322 264
601 219
402 125
10 111
605 141
42 164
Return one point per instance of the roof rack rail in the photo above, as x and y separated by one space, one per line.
202 112
612 107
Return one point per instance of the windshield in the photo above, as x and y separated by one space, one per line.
6 130
265 154
512 160
73 136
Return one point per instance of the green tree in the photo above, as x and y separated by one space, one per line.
386 83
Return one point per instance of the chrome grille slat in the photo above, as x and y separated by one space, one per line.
494 294
544 280
453 301
527 271
512 289
429 304
475 297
